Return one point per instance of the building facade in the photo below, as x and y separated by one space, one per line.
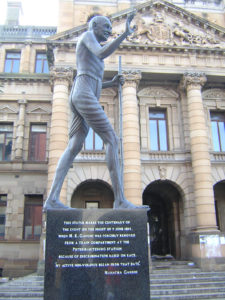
173 120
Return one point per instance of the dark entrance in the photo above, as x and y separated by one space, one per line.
93 194
219 195
165 202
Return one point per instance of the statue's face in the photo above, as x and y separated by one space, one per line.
102 29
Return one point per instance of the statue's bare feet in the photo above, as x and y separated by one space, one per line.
54 204
125 204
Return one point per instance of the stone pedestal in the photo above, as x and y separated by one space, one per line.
96 254
207 250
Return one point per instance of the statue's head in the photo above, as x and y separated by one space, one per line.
102 27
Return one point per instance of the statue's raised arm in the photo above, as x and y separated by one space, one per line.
101 27
129 29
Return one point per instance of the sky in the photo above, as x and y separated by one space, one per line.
35 12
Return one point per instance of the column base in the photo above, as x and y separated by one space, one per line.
207 250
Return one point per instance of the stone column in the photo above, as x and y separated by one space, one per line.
201 165
61 78
20 130
131 138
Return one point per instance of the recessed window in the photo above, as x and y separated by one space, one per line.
218 131
37 142
93 141
3 205
12 62
91 204
32 217
41 65
158 130
6 135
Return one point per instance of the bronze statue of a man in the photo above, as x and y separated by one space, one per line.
87 111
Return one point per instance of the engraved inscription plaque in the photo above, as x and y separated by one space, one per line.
96 254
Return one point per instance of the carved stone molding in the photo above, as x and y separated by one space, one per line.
158 93
61 74
161 27
6 109
162 172
214 94
132 77
193 80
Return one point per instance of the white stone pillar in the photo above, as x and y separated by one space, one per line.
201 165
131 138
62 78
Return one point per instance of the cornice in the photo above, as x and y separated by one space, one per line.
152 48
24 77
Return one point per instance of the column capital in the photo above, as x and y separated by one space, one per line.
193 79
61 73
22 101
132 77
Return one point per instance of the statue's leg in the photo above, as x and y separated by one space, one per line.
112 159
73 148
88 89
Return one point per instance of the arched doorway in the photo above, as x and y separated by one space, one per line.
164 199
219 196
93 194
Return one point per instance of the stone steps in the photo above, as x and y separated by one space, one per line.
211 296
183 280
168 280
190 285
188 275
30 287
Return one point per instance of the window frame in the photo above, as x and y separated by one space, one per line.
3 203
94 134
42 62
32 201
31 153
5 139
164 111
12 61
93 142
222 120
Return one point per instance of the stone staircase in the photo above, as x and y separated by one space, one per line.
30 287
171 279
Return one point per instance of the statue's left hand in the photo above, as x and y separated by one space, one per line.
129 29
118 79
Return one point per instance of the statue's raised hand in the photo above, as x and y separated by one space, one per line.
129 29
